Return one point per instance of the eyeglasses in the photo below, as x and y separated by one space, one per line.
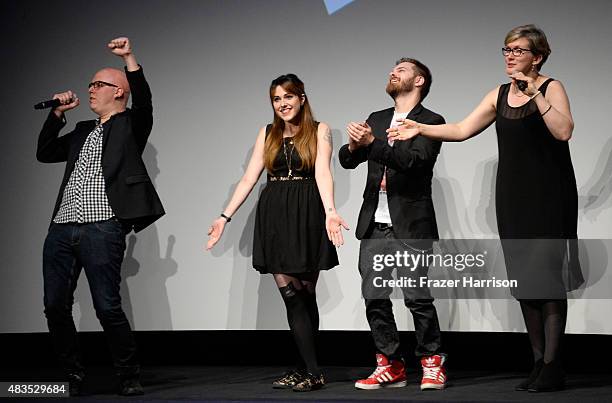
516 52
99 84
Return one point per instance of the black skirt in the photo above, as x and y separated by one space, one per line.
290 235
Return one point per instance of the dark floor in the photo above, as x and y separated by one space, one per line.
207 383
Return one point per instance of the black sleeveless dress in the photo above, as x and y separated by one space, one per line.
290 235
536 202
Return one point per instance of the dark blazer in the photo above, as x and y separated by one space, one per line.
409 172
128 187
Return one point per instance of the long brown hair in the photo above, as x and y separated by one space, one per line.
305 139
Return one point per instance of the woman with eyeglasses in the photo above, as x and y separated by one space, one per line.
536 196
296 225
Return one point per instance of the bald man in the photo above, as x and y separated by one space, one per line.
105 193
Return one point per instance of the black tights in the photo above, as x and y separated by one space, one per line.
545 322
303 316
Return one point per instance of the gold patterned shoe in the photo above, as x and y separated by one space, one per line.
288 380
309 383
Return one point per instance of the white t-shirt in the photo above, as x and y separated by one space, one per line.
382 211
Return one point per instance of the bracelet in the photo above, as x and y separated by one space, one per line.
227 219
545 112
535 95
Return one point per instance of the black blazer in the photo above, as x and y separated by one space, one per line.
409 172
128 187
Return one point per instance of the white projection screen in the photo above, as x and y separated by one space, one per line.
209 64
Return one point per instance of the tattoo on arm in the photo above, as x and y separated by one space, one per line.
327 136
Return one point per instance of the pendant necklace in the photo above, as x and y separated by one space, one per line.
288 158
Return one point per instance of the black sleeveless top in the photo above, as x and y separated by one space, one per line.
288 157
536 194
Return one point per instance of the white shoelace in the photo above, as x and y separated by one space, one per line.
431 372
379 370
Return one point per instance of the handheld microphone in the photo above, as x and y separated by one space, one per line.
52 103
521 84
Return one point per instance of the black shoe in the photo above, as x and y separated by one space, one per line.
75 384
288 380
537 367
551 378
309 383
130 387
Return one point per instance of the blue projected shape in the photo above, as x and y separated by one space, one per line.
335 5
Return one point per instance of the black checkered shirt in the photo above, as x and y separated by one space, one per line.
84 199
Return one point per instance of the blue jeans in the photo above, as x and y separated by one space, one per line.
98 248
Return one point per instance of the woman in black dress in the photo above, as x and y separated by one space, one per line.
296 225
536 196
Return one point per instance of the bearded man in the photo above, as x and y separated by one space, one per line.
397 215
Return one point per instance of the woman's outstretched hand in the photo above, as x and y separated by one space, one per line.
215 231
333 225
406 130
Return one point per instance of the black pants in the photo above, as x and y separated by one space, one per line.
379 308
98 249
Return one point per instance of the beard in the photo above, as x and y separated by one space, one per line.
396 89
